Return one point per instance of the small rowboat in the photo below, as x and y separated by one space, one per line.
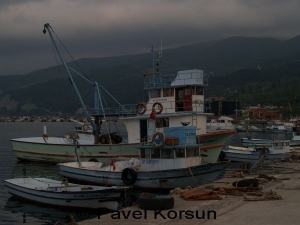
58 193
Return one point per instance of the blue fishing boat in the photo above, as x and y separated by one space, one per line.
171 159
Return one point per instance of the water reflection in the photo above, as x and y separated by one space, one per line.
26 212
35 170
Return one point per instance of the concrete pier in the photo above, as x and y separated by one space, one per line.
231 209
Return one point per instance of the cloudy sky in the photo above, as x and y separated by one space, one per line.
100 28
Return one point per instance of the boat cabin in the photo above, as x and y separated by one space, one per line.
179 149
173 102
223 123
185 93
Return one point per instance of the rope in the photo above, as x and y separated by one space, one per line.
192 175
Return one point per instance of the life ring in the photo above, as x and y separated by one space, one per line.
129 180
158 139
160 107
140 108
85 127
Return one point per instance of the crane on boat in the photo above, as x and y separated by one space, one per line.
98 111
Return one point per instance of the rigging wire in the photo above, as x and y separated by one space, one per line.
59 72
70 55
84 75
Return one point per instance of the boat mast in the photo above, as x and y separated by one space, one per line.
96 102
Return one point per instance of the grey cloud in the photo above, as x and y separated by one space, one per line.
92 28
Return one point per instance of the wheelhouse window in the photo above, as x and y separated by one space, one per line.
155 153
162 122
192 152
155 93
168 92
199 90
187 91
145 153
180 153
167 153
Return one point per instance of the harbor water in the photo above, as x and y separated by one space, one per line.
15 211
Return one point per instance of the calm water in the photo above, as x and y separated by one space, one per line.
15 211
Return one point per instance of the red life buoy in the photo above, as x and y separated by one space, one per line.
140 108
158 139
159 107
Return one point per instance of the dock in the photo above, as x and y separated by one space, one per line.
232 209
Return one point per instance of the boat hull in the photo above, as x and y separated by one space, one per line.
160 179
212 144
95 199
252 157
59 149
295 143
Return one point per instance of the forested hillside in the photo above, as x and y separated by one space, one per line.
251 70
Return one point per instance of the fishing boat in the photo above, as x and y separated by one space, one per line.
172 159
290 124
269 152
223 123
64 194
295 140
253 141
277 127
172 101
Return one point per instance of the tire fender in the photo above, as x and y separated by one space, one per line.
129 176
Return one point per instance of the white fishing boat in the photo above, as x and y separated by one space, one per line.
270 152
277 127
172 101
223 123
172 159
292 124
57 193
253 141
295 140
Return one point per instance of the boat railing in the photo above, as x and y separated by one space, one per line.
124 110
196 106
166 81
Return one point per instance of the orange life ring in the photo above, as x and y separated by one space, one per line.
158 139
140 108
160 107
85 127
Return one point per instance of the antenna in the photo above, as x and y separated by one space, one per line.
160 47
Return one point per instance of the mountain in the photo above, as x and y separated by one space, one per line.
232 63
